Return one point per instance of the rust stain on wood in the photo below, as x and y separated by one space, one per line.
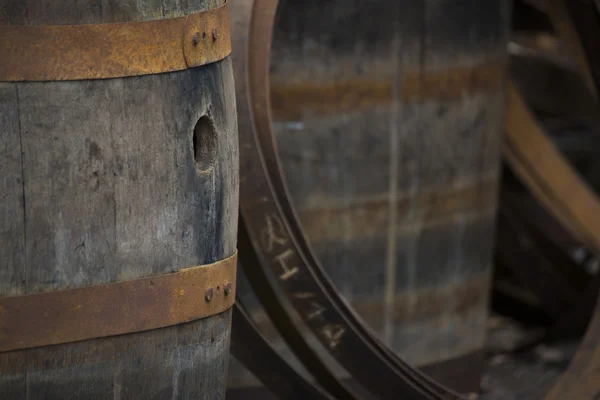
450 299
370 217
449 84
292 101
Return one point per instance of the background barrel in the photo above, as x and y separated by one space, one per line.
388 120
100 183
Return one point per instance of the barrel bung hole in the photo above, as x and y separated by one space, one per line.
205 143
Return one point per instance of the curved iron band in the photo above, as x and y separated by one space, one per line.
118 308
260 282
100 51
251 349
388 368
398 374
275 242
255 189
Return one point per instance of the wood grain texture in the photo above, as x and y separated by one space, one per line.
409 101
110 190
67 12
12 229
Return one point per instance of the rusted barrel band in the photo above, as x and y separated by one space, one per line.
100 51
117 308
290 100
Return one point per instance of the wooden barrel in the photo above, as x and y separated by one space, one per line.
114 170
388 120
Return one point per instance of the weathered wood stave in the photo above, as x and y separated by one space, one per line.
100 184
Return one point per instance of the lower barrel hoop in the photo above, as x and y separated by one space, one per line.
91 312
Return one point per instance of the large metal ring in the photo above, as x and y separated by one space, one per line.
276 253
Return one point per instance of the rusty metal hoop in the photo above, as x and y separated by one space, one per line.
71 315
101 51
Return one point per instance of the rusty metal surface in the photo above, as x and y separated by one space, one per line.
100 51
117 308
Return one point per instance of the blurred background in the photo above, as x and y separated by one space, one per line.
390 125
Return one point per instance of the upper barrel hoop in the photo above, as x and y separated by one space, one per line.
113 50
